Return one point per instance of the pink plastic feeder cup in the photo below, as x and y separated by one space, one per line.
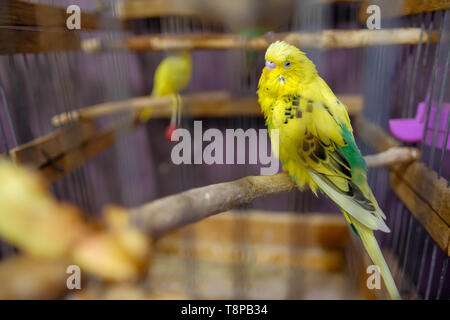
411 130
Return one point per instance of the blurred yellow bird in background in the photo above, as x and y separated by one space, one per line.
172 75
316 143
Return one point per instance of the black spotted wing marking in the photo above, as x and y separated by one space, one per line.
291 110
327 155
309 106
296 106
289 114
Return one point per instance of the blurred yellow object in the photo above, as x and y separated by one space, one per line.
171 76
24 277
121 252
30 218
33 221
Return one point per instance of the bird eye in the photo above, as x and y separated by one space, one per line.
287 64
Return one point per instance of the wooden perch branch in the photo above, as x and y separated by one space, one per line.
167 214
58 153
138 9
39 152
402 8
392 156
201 104
327 39
36 41
245 13
24 13
86 150
196 104
246 10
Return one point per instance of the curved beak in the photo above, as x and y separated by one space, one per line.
270 65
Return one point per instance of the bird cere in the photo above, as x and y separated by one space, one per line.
201 150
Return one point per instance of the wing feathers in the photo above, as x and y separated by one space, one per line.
329 152
349 204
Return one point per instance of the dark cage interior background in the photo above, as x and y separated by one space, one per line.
76 87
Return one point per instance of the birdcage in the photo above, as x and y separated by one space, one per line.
103 211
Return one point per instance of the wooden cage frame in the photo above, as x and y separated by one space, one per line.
70 146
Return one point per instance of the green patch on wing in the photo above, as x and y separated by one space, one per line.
352 153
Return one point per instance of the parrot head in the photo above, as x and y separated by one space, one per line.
286 66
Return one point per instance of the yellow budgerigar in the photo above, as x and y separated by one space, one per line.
316 143
172 75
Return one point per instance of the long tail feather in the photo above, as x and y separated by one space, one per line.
370 243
